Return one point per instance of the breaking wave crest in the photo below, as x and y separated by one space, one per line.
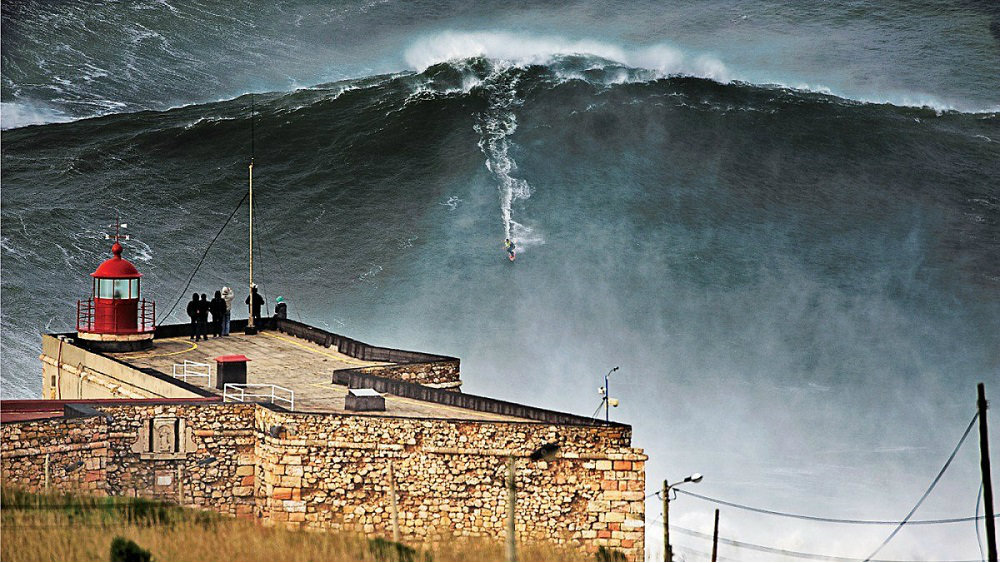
636 64
658 61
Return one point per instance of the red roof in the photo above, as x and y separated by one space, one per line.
116 267
232 358
37 409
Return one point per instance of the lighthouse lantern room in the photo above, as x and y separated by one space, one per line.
114 318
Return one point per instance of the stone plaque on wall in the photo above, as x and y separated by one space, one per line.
164 437
164 479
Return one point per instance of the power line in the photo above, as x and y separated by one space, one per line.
929 489
202 260
764 548
767 549
698 552
829 520
979 540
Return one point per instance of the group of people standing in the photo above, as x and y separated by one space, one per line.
220 307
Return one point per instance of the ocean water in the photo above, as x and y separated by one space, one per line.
781 221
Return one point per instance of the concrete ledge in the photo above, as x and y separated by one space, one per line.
355 378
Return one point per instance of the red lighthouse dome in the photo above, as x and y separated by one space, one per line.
116 267
114 318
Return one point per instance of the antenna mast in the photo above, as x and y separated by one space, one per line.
251 329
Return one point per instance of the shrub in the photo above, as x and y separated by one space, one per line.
127 550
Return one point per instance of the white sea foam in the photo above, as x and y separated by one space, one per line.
663 60
660 61
14 115
452 202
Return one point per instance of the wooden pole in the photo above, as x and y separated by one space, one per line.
46 473
250 323
511 500
180 485
984 464
395 509
715 538
668 554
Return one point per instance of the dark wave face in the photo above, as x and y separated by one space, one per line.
66 60
801 289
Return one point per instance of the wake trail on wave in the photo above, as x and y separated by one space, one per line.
495 126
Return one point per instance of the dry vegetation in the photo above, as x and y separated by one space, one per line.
54 527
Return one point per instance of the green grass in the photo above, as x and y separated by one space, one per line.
66 527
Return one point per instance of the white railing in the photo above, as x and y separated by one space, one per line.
241 392
193 369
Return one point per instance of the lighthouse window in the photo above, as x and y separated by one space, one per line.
134 288
121 289
105 289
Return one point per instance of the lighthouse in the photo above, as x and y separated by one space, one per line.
114 318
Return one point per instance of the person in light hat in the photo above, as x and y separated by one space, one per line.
227 296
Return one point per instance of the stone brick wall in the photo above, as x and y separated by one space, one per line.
61 444
330 471
442 374
215 468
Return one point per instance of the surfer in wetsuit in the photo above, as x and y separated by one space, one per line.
509 245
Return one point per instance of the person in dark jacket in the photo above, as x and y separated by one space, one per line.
203 317
217 306
258 301
192 311
280 308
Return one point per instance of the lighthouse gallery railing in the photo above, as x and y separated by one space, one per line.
87 319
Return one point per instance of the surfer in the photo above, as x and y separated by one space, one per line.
509 246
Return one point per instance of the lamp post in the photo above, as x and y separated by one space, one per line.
546 452
668 553
606 393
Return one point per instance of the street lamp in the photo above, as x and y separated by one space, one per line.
606 394
668 553
546 452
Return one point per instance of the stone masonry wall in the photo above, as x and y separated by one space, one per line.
443 374
331 471
215 468
114 448
66 442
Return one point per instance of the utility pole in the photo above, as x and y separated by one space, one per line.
668 554
511 499
984 463
395 509
715 538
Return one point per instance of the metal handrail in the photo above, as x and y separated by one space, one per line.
238 392
193 369
145 317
